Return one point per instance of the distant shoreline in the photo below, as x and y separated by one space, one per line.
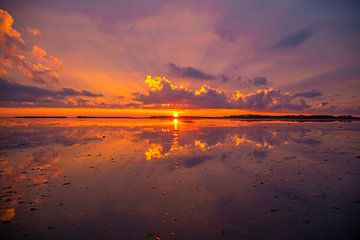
298 118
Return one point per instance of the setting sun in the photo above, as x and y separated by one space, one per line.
175 115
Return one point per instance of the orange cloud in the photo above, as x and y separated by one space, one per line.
36 71
38 52
14 51
33 31
8 35
41 54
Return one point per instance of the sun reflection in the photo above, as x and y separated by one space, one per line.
176 124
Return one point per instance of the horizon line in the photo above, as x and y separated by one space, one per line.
248 117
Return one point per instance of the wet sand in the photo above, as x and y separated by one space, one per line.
178 179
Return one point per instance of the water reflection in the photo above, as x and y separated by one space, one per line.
164 142
176 124
202 179
154 152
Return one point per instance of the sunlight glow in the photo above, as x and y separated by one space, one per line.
175 114
176 123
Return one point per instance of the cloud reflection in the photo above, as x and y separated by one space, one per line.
175 143
35 171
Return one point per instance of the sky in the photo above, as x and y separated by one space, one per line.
141 57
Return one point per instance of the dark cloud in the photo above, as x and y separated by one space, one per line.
268 99
334 76
327 108
74 92
224 78
165 93
260 81
189 72
310 94
14 94
226 35
324 104
293 40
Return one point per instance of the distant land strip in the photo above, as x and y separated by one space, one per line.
252 117
41 117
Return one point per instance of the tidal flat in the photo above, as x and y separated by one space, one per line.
178 179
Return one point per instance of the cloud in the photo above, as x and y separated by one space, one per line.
326 108
294 40
10 39
14 50
333 77
165 94
14 94
268 99
38 52
260 81
36 71
41 54
189 72
73 92
226 35
33 31
310 94
324 104
224 78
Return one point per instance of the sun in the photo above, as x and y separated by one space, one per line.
175 115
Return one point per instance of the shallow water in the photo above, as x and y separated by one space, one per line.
202 179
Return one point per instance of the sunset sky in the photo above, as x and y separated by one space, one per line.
210 57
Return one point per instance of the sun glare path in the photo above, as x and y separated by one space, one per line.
176 124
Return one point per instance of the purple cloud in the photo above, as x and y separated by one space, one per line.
14 94
164 93
310 94
294 40
226 35
259 81
189 72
